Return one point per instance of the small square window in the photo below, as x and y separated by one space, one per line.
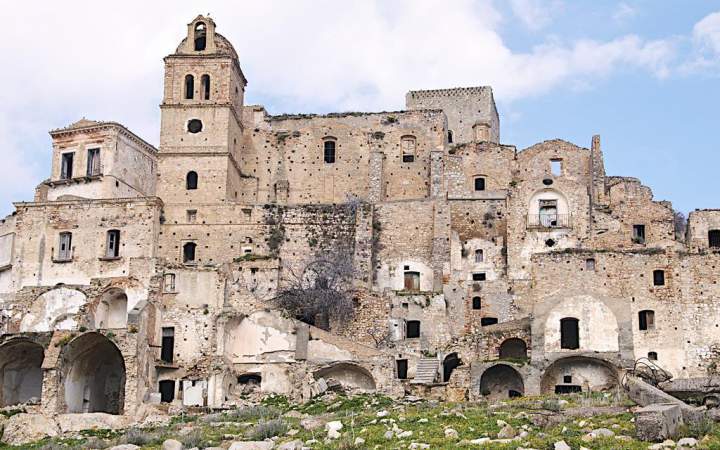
567 378
479 184
590 264
412 329
191 215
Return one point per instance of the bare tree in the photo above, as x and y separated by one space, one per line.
381 336
321 291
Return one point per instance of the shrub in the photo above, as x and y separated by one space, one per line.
136 436
551 404
254 413
266 430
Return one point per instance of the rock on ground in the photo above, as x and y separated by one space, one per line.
91 421
297 444
124 447
311 423
687 442
562 445
24 428
333 429
172 444
251 445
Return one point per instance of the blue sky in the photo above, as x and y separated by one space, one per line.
643 74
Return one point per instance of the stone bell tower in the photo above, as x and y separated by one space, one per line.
201 118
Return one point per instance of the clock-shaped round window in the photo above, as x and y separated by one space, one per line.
195 126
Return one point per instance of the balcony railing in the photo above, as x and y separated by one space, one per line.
535 221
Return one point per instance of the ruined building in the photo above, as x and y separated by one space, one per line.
142 275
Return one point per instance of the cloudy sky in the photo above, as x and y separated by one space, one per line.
644 74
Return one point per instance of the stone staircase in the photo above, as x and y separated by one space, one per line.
426 372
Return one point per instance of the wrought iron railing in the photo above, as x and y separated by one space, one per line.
549 220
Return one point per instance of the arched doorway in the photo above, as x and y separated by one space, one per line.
513 348
449 364
501 381
21 372
92 376
579 374
111 311
349 376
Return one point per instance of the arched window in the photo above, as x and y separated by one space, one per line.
646 319
408 144
205 83
189 87
329 151
479 256
476 303
189 252
569 333
191 180
200 33
450 137
652 356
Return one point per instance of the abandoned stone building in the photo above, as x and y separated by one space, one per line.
145 276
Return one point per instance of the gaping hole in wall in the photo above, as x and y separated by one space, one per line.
111 311
412 329
638 235
249 382
167 390
92 376
513 348
486 321
189 252
569 333
347 376
450 137
501 381
587 374
21 372
714 238
167 347
449 364
200 37
401 366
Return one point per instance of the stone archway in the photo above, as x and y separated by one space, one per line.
20 372
513 348
349 376
450 362
111 311
501 381
579 374
92 376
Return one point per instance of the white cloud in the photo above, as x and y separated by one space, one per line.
535 14
624 12
77 58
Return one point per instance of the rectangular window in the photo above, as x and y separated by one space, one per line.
479 256
112 247
478 276
714 238
169 283
412 329
408 158
167 391
329 152
412 281
646 320
93 162
548 213
479 184
66 167
476 303
659 278
638 234
65 249
590 264
556 167
569 334
191 215
168 344
402 368
486 321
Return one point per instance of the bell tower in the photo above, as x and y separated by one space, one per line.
201 124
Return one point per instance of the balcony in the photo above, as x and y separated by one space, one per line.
548 221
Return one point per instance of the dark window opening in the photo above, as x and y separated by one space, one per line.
412 329
567 389
189 87
195 126
569 333
200 37
412 281
476 303
191 180
408 158
402 368
550 242
646 319
250 378
449 364
479 256
638 234
567 379
408 148
590 264
479 276
514 394
659 277
205 83
168 344
93 162
167 391
652 356
329 151
66 168
189 252
479 184
450 137
485 321
714 238
514 348
112 247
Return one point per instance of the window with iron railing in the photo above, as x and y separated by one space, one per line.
549 220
